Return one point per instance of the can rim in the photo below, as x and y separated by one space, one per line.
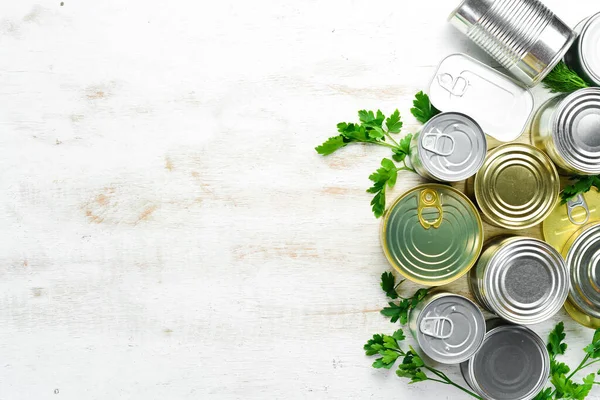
586 25
557 58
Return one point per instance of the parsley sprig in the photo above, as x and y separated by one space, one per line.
563 79
582 184
399 310
422 109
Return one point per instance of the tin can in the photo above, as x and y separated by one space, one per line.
520 279
517 186
432 234
582 253
522 35
451 147
584 55
512 363
566 128
448 328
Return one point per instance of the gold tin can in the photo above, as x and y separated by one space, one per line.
517 186
432 234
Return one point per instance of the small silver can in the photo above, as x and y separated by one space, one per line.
448 328
584 54
567 128
523 280
451 147
522 35
512 363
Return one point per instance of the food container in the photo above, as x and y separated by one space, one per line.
567 128
517 186
522 35
500 105
512 363
582 253
568 218
520 279
584 54
448 328
432 234
451 147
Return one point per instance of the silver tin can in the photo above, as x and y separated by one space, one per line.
520 279
448 328
512 363
567 128
451 147
584 54
522 35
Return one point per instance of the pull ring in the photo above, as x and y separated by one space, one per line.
575 203
430 141
429 198
455 86
435 326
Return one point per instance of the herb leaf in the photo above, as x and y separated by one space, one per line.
384 176
331 145
555 341
423 110
388 284
583 184
399 311
562 79
393 123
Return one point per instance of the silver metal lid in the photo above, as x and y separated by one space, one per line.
589 47
452 147
576 130
583 259
526 281
500 105
450 329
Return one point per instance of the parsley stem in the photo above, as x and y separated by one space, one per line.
387 134
579 367
448 381
590 363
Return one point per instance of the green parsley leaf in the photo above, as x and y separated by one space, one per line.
388 284
545 394
369 118
386 175
403 150
555 341
331 145
558 367
374 345
583 184
393 123
423 110
593 349
562 79
397 311
399 335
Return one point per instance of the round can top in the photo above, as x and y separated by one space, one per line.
452 147
432 234
575 130
589 47
450 329
526 281
517 186
512 363
583 258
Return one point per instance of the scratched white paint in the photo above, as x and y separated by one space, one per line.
167 230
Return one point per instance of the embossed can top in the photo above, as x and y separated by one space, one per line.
500 105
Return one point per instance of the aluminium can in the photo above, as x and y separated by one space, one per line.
567 128
448 328
512 363
450 147
517 186
584 55
432 234
524 36
520 279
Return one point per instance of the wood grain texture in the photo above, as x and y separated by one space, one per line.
168 231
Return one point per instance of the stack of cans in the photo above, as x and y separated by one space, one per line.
433 233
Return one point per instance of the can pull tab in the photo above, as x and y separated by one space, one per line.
437 327
575 203
430 142
455 86
429 198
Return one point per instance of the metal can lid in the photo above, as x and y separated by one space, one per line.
512 363
452 147
575 130
450 329
583 258
526 281
500 105
589 48
517 186
432 234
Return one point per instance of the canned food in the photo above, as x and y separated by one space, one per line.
512 363
520 279
451 147
432 234
582 252
517 186
501 106
568 218
584 54
522 35
448 328
566 127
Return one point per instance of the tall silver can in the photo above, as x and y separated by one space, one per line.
523 280
584 54
524 36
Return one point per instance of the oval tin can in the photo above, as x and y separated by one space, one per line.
451 147
517 186
582 253
432 234
522 35
448 328
523 280
584 55
567 128
512 363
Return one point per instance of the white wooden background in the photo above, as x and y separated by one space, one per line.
167 230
